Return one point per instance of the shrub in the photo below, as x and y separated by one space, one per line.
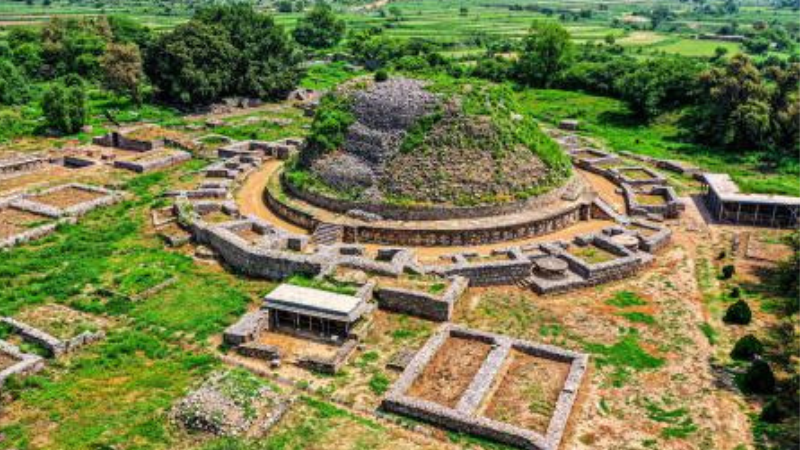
728 271
736 292
738 313
772 412
381 76
759 378
747 347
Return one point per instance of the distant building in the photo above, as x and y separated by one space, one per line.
727 204
312 312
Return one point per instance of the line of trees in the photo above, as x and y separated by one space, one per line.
224 50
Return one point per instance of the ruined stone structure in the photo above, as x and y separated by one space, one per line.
17 164
728 205
24 363
422 304
465 416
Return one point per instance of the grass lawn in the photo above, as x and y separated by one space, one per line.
610 121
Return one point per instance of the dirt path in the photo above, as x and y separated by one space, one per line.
249 197
605 189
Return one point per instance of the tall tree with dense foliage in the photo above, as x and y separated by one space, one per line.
14 88
658 85
191 64
734 108
122 70
546 51
64 105
320 28
74 46
267 62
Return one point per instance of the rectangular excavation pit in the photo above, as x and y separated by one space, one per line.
67 197
591 253
450 371
490 406
14 221
651 199
526 391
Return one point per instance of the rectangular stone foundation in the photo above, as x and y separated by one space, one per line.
465 416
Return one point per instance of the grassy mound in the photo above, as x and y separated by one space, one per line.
417 142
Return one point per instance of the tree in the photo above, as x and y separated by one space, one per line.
789 273
759 378
320 28
192 64
13 84
285 6
122 70
267 63
463 11
658 85
64 105
734 108
659 15
546 52
738 313
747 347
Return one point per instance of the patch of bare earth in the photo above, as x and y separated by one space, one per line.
450 371
67 197
14 221
527 392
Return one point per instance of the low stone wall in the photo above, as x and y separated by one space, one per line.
671 208
259 351
107 198
173 159
247 328
421 213
330 366
27 364
55 346
423 304
465 416
489 273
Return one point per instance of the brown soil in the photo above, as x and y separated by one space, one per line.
249 235
294 347
14 221
450 371
527 393
605 189
7 361
250 197
64 198
59 321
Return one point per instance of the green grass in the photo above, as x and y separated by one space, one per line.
709 332
624 357
610 121
326 284
639 317
624 299
113 395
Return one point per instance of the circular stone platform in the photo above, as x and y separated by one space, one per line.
536 217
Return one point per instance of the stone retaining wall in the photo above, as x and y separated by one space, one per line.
173 159
332 365
421 213
247 328
423 304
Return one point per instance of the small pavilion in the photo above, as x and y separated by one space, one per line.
313 312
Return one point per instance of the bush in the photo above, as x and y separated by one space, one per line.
738 313
772 412
728 271
64 105
736 292
381 76
759 378
747 348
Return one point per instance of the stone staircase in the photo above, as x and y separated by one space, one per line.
524 283
327 234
